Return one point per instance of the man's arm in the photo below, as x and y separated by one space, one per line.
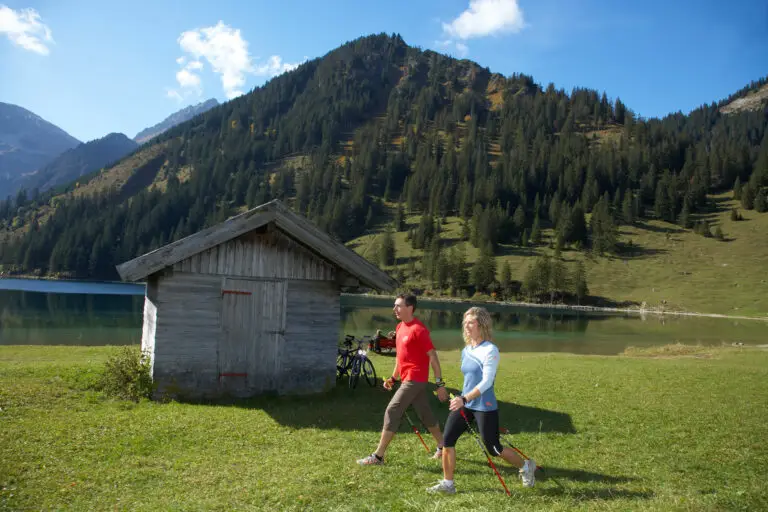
390 382
396 371
434 362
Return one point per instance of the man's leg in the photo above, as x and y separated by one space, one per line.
437 434
424 411
386 438
392 416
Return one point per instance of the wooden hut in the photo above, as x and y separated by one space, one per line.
247 306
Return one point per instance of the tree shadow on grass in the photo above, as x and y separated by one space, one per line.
579 475
554 482
362 409
606 493
474 463
667 228
634 251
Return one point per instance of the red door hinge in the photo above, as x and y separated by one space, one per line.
234 292
230 374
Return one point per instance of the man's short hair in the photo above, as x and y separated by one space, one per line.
409 298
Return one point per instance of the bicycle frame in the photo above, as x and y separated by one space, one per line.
354 363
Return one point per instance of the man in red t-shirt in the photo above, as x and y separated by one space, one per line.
415 354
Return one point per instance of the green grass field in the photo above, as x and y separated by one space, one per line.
647 430
687 271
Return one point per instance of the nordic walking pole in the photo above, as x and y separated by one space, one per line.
505 432
482 447
416 431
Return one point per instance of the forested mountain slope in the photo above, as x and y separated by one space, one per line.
376 130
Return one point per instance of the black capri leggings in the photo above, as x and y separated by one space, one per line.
487 425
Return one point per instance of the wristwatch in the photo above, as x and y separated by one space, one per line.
463 399
439 382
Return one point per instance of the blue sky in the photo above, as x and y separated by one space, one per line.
94 67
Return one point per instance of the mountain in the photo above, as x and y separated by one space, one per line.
81 160
179 117
378 137
753 97
27 142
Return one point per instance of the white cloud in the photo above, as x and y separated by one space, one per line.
225 50
485 18
275 66
456 48
187 79
174 95
462 50
227 53
24 28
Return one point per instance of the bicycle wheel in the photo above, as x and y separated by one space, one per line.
341 365
354 373
370 372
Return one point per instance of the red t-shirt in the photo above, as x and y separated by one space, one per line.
412 343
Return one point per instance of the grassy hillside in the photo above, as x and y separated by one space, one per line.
670 268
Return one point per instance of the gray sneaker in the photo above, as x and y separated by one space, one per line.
527 473
371 460
442 487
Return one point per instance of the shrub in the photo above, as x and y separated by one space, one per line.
127 375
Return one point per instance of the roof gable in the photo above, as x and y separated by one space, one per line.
296 226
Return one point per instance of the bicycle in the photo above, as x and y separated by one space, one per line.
361 364
355 362
344 357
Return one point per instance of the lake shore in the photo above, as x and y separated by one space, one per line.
437 299
568 307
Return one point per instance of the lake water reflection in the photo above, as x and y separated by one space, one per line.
38 312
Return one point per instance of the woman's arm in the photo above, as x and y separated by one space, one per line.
490 365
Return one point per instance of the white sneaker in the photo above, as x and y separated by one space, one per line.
442 487
527 473
371 460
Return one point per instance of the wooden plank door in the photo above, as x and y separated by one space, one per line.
236 313
253 331
266 352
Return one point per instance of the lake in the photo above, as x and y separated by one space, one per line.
43 312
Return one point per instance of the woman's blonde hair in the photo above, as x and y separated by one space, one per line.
484 323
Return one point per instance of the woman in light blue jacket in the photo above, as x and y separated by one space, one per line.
479 363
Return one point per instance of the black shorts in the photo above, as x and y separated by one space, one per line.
486 424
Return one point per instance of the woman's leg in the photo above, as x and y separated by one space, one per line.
449 462
488 425
511 456
454 427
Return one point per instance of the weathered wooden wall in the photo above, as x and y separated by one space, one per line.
187 333
308 362
268 254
